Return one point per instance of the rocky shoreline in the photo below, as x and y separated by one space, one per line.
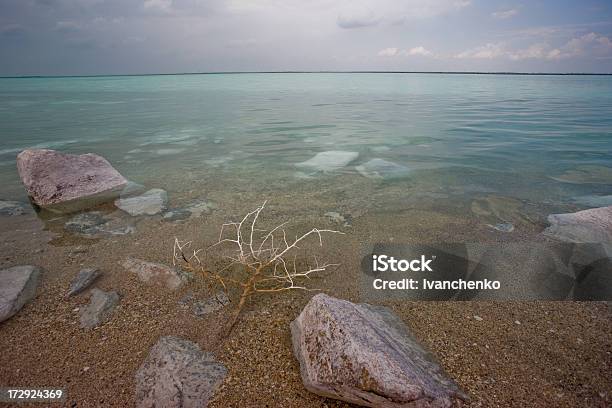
111 289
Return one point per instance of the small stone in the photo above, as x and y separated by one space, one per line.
177 374
154 273
478 318
100 308
13 208
517 322
17 287
84 278
85 368
503 227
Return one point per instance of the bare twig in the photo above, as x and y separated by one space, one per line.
263 259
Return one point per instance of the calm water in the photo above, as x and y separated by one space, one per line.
542 140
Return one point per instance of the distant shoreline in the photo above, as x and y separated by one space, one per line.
312 72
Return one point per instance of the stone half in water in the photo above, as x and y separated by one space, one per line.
329 161
383 170
66 183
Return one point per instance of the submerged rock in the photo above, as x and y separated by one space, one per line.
82 281
587 226
586 175
95 224
594 200
503 227
365 355
154 273
12 208
329 161
177 374
65 182
194 209
100 308
17 287
383 170
151 202
132 189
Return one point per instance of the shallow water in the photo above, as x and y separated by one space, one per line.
463 141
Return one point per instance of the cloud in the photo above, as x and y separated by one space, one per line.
488 51
13 31
67 26
158 5
396 52
357 18
504 14
587 45
420 50
366 13
388 52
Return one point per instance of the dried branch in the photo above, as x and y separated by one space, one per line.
263 259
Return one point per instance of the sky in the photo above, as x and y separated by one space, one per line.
89 37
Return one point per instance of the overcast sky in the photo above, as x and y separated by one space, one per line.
67 37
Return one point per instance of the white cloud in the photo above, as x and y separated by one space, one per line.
388 52
67 26
357 18
504 14
488 51
158 5
396 52
420 50
590 45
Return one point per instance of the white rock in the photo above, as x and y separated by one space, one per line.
329 161
152 202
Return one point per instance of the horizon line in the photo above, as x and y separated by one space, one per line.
315 72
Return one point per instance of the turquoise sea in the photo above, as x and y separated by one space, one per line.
506 148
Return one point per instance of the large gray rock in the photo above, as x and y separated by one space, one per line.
154 273
587 226
62 182
151 202
365 355
177 374
82 281
17 286
99 309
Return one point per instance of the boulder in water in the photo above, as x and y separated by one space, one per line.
587 226
383 170
329 161
64 183
151 202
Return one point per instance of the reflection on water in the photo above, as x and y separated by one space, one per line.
507 149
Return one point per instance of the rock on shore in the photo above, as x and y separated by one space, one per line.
365 355
17 287
82 281
99 309
177 374
64 183
154 273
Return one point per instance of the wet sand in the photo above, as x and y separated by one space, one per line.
559 354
